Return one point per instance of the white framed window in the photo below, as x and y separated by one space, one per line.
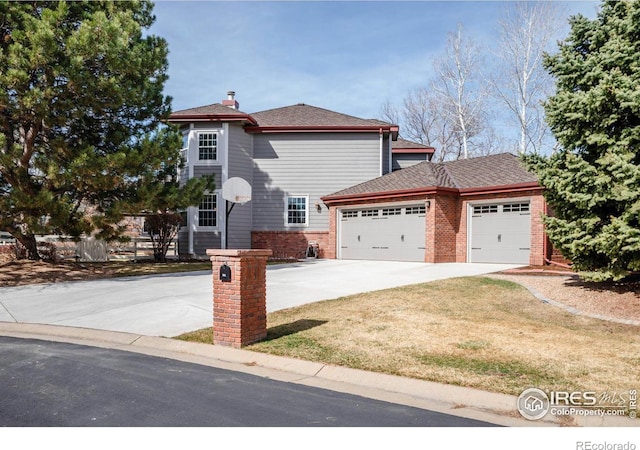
297 210
208 211
207 146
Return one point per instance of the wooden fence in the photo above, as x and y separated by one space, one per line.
88 249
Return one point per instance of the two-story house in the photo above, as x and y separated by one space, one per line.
291 156
354 188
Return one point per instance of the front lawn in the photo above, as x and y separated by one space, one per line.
474 331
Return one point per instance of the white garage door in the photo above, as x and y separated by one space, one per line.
500 233
394 233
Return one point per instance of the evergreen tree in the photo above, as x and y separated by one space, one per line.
593 184
81 106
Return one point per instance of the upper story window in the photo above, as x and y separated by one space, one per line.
297 212
208 211
207 146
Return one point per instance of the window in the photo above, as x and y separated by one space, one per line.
415 210
370 213
207 146
391 211
297 209
349 214
485 209
515 207
208 211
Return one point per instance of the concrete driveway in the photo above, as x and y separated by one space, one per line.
168 305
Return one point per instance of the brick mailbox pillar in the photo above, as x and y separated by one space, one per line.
239 296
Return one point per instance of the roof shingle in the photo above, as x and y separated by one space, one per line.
302 115
503 169
210 110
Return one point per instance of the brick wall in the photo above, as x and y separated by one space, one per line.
442 229
239 305
292 244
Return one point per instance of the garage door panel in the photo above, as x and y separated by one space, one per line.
500 233
384 233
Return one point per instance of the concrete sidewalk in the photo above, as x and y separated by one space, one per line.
171 304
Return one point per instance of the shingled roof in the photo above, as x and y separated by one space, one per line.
503 169
213 112
410 145
302 115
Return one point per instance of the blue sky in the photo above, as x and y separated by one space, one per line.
349 57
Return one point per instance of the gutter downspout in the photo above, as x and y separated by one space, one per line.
381 154
390 154
191 224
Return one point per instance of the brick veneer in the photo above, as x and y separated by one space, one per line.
292 244
239 306
442 229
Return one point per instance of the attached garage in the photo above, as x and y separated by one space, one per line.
500 233
389 233
483 210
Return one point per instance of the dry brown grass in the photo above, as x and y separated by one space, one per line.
23 272
475 331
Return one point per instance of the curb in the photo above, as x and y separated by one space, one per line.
498 409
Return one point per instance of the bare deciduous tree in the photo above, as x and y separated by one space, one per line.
461 89
449 112
520 81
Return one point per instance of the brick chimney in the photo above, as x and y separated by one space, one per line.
231 100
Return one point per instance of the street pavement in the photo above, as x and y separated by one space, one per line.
45 384
171 304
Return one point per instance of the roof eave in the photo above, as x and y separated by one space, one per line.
177 118
413 150
519 187
428 190
431 190
393 130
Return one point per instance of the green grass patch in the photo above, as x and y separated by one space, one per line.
510 371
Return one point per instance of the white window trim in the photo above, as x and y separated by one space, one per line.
196 215
205 161
286 211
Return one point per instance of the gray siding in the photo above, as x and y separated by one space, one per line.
316 164
240 165
198 171
401 161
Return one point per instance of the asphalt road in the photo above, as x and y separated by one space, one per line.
49 384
